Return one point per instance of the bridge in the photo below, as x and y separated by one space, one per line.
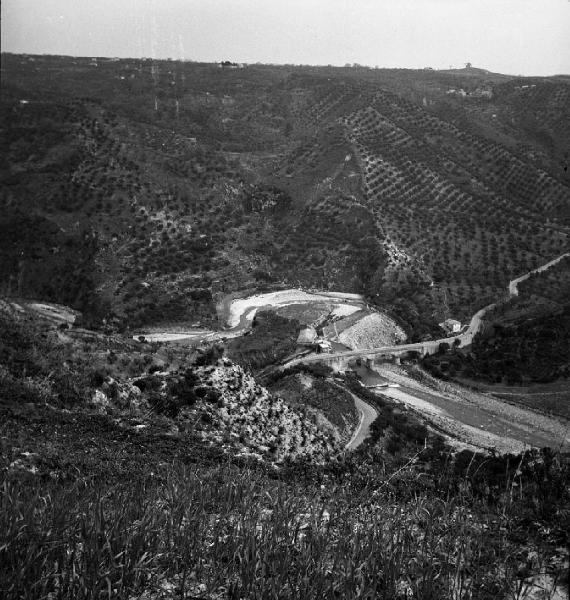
339 361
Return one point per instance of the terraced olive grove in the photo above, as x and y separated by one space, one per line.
172 184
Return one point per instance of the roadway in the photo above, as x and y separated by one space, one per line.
432 346
513 285
368 415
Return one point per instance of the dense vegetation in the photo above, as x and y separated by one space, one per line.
272 338
307 386
527 351
191 393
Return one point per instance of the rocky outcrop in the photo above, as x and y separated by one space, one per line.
249 418
224 405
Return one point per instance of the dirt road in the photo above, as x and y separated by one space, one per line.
513 285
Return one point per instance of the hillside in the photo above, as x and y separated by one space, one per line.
524 350
155 471
522 353
201 397
149 190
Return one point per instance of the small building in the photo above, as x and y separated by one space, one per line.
323 346
451 326
307 337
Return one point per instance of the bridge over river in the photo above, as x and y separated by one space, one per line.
341 360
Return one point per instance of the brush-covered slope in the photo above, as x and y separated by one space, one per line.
201 399
154 188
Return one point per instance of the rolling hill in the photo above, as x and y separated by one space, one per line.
147 190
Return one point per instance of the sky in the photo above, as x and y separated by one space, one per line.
527 37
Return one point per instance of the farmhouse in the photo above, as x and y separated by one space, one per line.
323 346
451 326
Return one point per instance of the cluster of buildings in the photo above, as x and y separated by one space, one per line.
227 64
478 93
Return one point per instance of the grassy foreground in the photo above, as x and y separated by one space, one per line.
228 532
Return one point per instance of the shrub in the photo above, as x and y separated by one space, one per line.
164 404
97 378
209 356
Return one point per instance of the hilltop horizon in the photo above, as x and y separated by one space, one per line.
450 69
508 36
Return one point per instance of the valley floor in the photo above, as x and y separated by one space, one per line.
238 313
474 418
469 417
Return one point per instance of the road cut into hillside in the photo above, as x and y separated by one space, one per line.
432 346
239 313
513 285
464 416
367 417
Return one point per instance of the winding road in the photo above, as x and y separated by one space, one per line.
458 408
473 418
367 417
430 347
513 285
